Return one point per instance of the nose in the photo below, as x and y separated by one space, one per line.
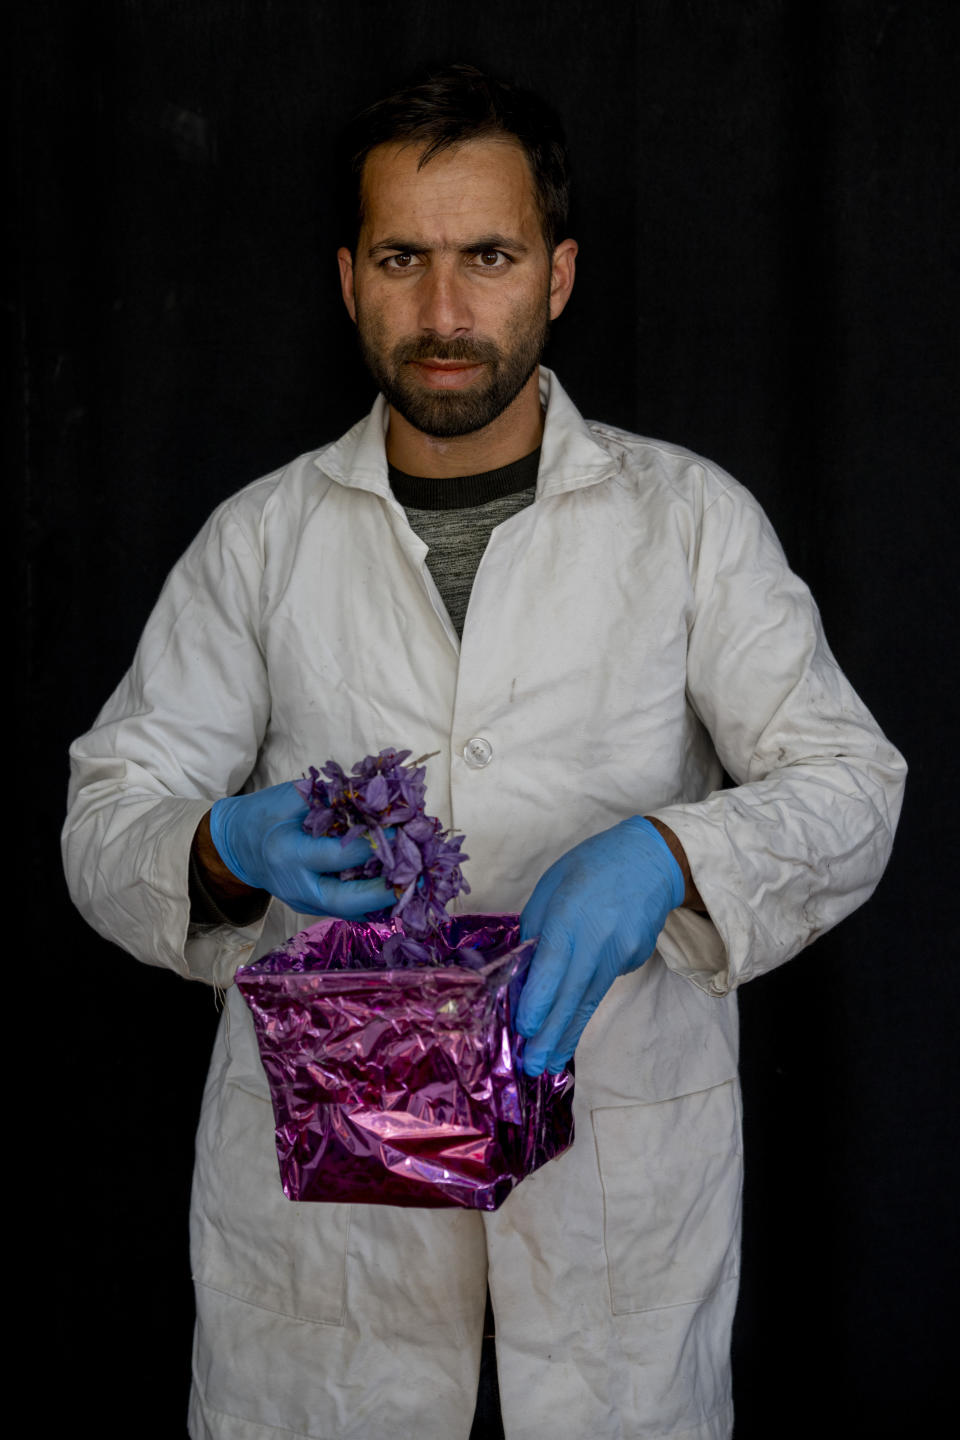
445 309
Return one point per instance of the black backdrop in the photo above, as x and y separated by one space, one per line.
763 204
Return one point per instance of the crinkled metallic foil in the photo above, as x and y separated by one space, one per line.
403 1086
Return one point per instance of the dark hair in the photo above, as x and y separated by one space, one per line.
460 103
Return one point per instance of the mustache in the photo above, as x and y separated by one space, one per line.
463 349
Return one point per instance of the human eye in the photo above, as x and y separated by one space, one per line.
399 260
491 259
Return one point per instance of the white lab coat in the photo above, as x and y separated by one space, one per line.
629 635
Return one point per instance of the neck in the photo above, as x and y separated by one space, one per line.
511 436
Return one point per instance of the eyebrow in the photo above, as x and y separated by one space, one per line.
472 247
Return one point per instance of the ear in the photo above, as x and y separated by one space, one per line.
562 270
345 261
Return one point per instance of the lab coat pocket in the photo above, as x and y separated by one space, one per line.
247 1239
671 1174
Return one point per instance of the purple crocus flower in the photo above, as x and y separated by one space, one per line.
420 860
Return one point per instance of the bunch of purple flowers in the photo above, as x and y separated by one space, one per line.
419 859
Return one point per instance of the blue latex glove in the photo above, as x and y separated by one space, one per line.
598 911
260 838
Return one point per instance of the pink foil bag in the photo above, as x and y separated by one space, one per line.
403 1086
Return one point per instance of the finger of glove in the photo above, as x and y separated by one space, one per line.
534 913
351 899
322 854
285 801
259 810
563 1050
549 974
543 1046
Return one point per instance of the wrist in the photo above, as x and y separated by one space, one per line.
217 878
692 899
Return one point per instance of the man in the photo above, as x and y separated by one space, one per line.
631 630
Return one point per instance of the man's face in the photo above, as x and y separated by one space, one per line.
451 287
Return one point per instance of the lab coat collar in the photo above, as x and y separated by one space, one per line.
570 457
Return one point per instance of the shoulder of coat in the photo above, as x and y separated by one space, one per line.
646 462
298 485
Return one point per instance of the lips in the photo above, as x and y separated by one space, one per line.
447 374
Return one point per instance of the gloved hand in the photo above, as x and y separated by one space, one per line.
260 838
598 911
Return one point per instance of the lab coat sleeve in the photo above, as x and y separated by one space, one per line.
182 729
803 837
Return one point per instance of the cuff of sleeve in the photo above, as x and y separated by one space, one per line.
211 950
756 930
691 943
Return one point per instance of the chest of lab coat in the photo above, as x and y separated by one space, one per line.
630 636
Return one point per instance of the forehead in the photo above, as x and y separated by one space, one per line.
475 187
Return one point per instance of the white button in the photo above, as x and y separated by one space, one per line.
478 752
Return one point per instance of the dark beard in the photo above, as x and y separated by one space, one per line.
446 414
